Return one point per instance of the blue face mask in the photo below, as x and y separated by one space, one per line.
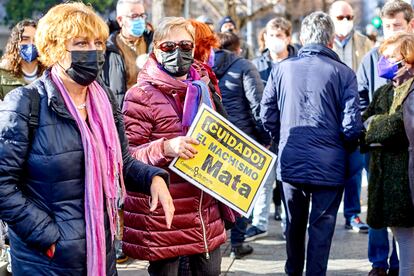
387 69
137 27
28 52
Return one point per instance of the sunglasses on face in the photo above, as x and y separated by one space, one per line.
342 17
169 46
136 16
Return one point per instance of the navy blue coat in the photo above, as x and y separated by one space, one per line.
241 90
311 108
42 183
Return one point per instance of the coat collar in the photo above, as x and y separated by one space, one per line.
318 49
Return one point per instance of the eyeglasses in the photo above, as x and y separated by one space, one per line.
136 16
169 46
342 17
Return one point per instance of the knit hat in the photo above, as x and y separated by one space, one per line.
226 19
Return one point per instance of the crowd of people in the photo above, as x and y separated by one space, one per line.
92 114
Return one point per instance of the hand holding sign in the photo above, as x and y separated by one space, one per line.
180 146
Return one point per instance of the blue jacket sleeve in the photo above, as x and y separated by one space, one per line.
351 126
269 112
363 81
253 88
32 224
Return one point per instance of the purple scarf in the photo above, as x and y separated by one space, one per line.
103 170
197 93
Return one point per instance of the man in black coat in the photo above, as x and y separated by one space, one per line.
123 48
241 89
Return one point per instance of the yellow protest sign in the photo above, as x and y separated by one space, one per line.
229 165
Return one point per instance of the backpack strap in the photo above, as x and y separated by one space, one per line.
34 111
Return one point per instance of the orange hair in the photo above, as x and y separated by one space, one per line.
204 40
405 43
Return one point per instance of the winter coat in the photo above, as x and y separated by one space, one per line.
361 45
368 79
311 108
264 63
42 180
241 90
152 115
114 71
408 117
389 198
8 82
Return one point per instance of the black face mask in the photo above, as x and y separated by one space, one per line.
85 66
178 62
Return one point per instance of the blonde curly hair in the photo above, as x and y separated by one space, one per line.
62 23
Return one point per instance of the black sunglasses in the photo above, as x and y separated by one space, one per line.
342 17
169 46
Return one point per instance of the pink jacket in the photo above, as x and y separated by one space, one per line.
151 116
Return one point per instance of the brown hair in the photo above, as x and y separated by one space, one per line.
261 40
229 41
280 23
391 8
11 60
405 41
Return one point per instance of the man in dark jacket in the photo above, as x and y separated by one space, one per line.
241 89
123 47
311 108
277 39
397 16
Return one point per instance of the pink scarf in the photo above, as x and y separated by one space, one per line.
103 170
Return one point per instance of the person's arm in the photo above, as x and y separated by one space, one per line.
253 89
269 111
140 177
33 225
139 122
363 77
351 125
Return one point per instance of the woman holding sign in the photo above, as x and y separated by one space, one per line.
158 112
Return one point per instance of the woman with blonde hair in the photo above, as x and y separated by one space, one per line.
61 182
389 121
19 64
158 112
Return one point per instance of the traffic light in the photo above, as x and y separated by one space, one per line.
377 22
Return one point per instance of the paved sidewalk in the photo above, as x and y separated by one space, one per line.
348 253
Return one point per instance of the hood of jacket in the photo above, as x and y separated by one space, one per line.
223 59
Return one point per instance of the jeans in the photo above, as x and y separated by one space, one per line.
262 206
322 220
405 244
238 231
352 194
198 263
379 248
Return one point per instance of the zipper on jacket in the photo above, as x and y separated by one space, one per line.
203 226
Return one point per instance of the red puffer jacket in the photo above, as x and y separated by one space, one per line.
151 111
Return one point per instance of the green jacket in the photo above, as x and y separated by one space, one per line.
8 82
389 197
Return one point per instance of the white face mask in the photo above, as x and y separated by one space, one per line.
343 27
275 45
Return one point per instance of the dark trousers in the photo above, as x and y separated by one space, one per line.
238 231
199 265
325 204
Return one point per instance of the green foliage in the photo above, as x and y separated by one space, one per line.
21 9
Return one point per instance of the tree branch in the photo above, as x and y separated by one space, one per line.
215 8
262 11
